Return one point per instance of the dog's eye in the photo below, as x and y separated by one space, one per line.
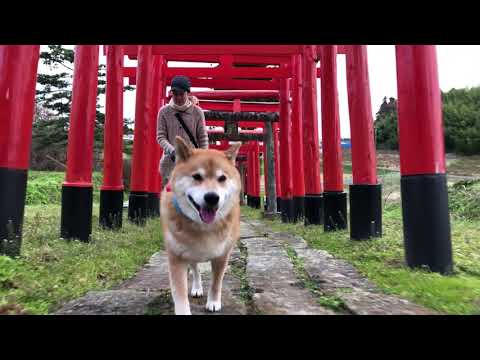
222 178
197 177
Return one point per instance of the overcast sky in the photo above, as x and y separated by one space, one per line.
458 67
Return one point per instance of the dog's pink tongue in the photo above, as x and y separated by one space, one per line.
207 215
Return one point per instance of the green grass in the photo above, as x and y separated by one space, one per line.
51 271
45 187
382 261
464 199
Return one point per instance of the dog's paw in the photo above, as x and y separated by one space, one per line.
182 310
186 312
196 292
213 306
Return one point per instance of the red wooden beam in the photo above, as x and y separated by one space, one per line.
224 84
247 107
198 73
261 59
237 59
129 71
248 132
225 72
241 124
244 148
233 94
219 49
233 83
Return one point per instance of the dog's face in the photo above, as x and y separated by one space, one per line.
206 183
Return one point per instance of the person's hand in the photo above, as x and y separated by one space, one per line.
172 156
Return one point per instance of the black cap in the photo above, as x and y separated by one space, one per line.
180 82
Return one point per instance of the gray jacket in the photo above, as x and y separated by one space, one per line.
168 127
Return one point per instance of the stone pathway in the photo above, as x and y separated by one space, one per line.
261 280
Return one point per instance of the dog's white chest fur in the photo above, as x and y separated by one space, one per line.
205 250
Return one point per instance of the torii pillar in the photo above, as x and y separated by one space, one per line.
426 220
155 149
138 200
111 192
278 187
297 139
255 196
285 152
311 148
365 192
77 190
18 76
335 199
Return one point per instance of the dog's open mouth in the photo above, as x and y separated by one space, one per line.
207 214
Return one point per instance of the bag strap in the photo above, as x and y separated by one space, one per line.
187 130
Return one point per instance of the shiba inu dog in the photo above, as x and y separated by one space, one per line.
200 213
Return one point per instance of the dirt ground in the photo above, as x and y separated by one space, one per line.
456 164
458 168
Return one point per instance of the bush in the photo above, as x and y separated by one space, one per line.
45 187
464 199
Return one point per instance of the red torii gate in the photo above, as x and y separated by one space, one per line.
424 189
298 189
228 106
225 65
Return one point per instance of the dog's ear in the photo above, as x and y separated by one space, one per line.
182 150
232 152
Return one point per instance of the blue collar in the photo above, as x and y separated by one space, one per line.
176 206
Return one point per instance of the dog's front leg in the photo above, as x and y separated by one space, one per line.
214 300
197 290
178 270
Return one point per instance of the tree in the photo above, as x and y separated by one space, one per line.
461 114
386 125
461 120
53 104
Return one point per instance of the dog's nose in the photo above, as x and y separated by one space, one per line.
211 198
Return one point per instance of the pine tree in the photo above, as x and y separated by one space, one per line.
386 125
53 104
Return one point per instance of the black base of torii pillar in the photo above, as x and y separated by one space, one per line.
365 211
314 209
111 209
